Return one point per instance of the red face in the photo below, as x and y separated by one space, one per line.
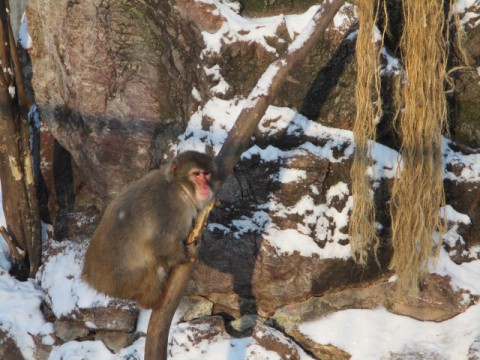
201 179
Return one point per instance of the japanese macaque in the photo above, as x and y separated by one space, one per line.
143 231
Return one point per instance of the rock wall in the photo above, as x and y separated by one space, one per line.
113 81
110 77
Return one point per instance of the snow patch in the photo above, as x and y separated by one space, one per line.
60 276
23 35
20 313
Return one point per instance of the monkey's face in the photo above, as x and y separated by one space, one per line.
201 179
195 172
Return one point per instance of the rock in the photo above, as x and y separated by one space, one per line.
264 8
115 340
44 345
69 330
415 355
261 278
275 341
133 81
324 352
364 297
437 301
8 348
232 304
119 317
465 199
205 329
66 201
474 351
202 333
115 106
195 308
246 322
204 15
465 120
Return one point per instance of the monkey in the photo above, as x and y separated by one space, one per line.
142 233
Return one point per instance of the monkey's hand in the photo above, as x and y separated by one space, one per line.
191 250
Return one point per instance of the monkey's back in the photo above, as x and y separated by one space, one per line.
138 240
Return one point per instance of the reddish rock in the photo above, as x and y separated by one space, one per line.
437 301
113 85
8 348
275 341
205 16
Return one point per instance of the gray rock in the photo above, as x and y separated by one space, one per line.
69 329
115 340
195 308
246 322
8 348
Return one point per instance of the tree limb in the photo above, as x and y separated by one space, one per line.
236 143
19 192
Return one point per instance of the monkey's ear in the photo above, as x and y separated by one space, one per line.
173 168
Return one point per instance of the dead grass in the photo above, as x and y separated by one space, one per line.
363 236
417 193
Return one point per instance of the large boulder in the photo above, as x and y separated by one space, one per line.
113 81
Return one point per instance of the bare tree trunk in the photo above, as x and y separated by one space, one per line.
16 173
236 143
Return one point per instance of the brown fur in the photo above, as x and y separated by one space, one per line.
142 233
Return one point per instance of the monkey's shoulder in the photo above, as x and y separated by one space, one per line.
153 196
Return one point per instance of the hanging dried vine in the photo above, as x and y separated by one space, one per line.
363 236
418 194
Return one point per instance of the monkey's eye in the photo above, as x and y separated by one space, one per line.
196 173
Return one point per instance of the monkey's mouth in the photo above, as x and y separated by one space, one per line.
205 193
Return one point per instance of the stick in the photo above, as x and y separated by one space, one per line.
236 143
14 253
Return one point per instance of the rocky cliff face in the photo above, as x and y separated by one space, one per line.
114 75
116 83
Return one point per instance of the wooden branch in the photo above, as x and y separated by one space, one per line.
236 143
14 253
23 104
17 67
19 192
162 314
159 324
199 224
267 88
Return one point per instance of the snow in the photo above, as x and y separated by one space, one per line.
214 73
23 35
74 350
296 23
287 175
11 91
470 164
222 347
376 334
264 84
239 29
60 276
365 334
4 263
463 7
20 313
